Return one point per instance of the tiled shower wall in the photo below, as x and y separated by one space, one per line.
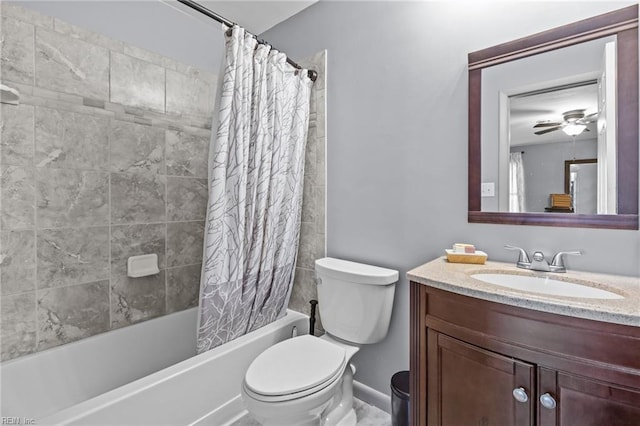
104 158
313 221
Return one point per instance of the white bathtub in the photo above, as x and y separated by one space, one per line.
97 381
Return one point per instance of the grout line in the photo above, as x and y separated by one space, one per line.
166 209
35 211
109 132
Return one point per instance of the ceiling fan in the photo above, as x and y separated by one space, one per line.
574 122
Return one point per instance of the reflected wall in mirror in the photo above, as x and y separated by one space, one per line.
565 95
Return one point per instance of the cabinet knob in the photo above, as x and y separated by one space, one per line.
547 401
520 394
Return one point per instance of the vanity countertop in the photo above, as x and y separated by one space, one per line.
455 277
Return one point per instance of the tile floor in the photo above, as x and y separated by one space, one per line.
366 414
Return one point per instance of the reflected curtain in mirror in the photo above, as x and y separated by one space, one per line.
516 183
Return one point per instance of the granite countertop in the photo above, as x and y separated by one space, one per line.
455 277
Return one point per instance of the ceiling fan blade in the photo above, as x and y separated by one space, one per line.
589 118
546 125
542 132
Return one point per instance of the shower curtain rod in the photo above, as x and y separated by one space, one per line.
211 14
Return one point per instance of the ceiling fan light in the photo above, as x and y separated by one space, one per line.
574 129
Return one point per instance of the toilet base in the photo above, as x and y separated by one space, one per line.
341 412
348 420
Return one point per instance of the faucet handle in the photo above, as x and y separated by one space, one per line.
523 258
558 259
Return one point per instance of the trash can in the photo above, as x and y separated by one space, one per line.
400 399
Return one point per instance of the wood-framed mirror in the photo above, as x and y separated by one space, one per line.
591 108
581 185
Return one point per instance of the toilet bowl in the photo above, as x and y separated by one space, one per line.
308 380
301 381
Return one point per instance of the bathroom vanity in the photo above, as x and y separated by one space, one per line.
486 354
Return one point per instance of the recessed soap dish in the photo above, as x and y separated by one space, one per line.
143 265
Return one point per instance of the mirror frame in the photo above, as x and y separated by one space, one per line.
624 24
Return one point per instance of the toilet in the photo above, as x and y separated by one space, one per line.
308 380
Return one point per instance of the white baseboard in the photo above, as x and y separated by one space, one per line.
372 396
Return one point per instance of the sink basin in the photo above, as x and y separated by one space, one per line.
545 285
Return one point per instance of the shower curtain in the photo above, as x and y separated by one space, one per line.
256 168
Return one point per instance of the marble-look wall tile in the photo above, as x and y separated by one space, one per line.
17 197
69 65
183 287
74 31
187 153
18 325
137 83
17 262
312 243
72 256
144 54
304 290
27 15
135 240
320 194
70 140
16 134
71 198
309 207
310 246
190 94
137 299
67 314
137 198
16 51
184 243
92 167
136 148
311 153
321 169
186 199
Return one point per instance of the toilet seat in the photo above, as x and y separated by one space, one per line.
294 368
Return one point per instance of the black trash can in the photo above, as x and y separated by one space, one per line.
400 399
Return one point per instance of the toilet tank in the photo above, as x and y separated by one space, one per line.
355 300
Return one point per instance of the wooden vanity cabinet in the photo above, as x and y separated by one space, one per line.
469 355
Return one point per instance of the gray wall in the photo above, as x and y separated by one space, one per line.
397 141
544 168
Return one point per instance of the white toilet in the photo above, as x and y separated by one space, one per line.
308 380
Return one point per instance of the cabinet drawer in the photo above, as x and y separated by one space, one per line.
549 338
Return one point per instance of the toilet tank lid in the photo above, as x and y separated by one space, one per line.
355 272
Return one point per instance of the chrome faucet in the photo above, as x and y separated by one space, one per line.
539 262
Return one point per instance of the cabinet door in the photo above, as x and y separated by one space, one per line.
586 402
471 386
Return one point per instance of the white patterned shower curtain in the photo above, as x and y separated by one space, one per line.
256 170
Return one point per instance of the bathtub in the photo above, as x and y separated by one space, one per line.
146 374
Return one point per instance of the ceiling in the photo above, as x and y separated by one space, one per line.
527 111
257 16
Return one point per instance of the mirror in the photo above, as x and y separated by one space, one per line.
549 107
581 184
